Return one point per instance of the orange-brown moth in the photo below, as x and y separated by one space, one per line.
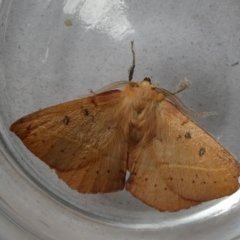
92 142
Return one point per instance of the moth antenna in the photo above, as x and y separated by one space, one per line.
131 69
111 86
182 86
180 104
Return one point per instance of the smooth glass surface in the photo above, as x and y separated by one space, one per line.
55 51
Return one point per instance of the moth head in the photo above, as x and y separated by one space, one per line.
146 84
147 79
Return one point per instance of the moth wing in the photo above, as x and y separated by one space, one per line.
181 165
83 140
146 184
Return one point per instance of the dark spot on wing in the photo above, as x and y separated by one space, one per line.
66 120
85 112
202 151
188 135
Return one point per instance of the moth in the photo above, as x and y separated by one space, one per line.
92 143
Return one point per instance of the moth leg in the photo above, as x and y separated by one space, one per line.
131 69
182 86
